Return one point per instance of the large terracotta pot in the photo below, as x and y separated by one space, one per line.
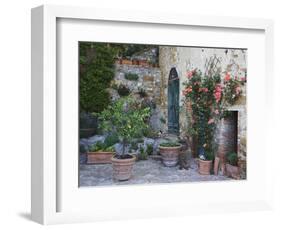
122 168
227 138
99 157
232 171
170 155
204 167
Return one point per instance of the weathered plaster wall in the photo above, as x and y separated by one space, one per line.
222 61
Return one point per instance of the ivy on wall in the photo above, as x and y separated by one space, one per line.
96 71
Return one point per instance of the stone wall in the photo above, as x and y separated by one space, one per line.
149 79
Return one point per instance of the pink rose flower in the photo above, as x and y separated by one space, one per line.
237 90
211 121
217 111
227 77
189 74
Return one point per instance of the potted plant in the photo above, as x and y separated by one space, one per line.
170 153
205 163
232 169
100 153
128 119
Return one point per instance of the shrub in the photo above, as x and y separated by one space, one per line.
96 70
111 139
100 146
143 154
131 76
232 158
126 117
123 90
149 149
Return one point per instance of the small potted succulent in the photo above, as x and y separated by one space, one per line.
232 169
205 163
100 153
128 119
170 153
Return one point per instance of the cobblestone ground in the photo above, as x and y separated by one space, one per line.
144 172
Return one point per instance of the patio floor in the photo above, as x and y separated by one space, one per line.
144 172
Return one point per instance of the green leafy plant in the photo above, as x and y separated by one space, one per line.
143 154
210 156
96 70
232 158
131 76
126 117
101 147
111 139
149 149
123 90
163 120
170 144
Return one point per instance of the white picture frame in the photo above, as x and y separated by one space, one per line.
46 181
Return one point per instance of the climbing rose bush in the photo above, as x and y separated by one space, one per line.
207 98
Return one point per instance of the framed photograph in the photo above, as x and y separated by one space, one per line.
138 115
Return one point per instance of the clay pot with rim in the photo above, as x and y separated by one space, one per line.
99 157
205 166
232 171
170 155
122 168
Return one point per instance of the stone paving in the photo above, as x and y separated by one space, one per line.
144 172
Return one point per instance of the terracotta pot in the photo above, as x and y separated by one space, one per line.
204 167
232 171
99 157
122 168
126 62
170 155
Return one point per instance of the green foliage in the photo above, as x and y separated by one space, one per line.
170 144
123 90
210 156
232 158
149 149
96 72
163 120
126 117
131 76
150 133
101 147
143 154
111 139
